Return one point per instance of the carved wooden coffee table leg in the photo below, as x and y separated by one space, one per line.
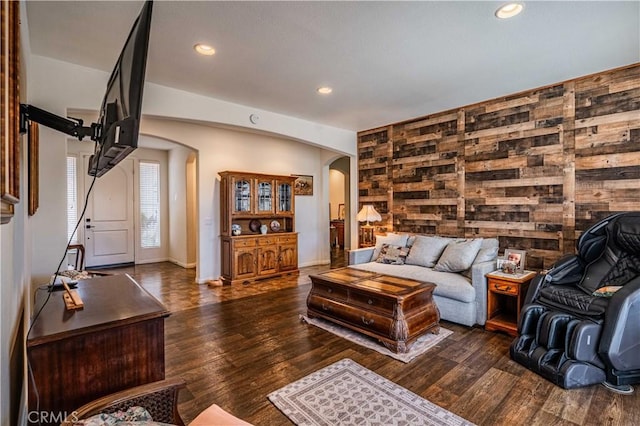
398 347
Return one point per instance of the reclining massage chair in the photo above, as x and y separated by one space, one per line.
575 332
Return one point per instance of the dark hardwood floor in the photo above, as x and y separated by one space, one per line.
234 345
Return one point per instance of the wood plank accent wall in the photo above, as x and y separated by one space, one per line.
534 169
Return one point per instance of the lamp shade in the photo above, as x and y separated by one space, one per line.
368 214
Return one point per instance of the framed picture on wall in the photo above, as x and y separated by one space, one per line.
32 166
341 211
9 98
303 185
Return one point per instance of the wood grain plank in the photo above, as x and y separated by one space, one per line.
544 156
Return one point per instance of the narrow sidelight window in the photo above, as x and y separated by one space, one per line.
149 204
72 198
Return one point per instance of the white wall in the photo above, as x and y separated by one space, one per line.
336 191
273 146
342 191
192 210
14 298
225 149
178 205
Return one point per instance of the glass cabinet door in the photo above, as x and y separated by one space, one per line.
265 197
284 197
242 195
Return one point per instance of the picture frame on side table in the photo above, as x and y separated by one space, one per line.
303 185
516 257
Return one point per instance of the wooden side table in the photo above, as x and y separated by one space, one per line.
505 297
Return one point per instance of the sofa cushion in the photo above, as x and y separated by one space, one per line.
450 285
458 255
488 251
391 239
393 255
425 251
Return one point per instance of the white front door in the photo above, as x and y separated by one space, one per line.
108 223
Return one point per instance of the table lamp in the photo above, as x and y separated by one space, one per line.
368 214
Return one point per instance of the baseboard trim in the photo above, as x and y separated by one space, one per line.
182 264
145 261
315 263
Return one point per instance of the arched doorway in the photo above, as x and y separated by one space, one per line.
339 211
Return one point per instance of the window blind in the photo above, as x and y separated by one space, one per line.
149 204
72 198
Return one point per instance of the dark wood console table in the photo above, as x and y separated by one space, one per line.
115 342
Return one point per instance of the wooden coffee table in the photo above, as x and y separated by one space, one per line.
396 311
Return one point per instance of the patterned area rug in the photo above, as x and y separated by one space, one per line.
420 346
345 393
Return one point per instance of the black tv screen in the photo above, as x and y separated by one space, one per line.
122 103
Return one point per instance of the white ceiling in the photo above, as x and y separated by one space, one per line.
386 61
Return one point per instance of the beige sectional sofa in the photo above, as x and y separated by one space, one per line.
457 267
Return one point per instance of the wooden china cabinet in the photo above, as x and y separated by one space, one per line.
257 223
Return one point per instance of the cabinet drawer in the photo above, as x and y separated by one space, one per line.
245 242
288 239
358 318
267 241
368 301
367 320
504 287
328 291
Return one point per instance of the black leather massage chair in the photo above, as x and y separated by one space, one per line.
575 332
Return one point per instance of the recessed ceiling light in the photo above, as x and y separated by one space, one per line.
324 90
204 49
509 10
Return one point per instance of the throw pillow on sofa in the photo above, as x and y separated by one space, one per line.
488 251
391 239
426 251
393 255
458 255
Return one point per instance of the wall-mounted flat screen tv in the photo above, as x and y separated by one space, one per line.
116 133
122 103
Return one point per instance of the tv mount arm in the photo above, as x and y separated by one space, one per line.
73 127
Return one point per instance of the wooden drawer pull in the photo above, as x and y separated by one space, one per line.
505 288
325 307
367 322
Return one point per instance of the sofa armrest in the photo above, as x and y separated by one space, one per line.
479 283
361 255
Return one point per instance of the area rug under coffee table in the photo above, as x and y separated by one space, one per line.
421 345
345 393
